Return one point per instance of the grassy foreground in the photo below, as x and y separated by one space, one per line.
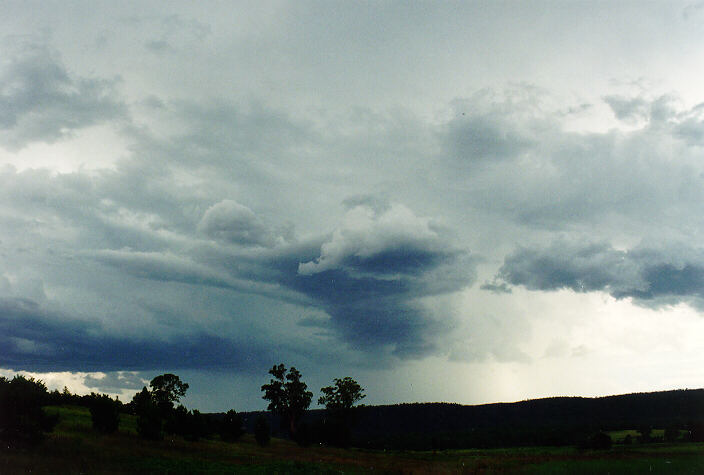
74 447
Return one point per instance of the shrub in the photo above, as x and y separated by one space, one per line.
231 428
197 426
335 428
696 431
178 421
149 423
645 436
105 413
600 441
261 430
672 433
305 434
22 420
597 441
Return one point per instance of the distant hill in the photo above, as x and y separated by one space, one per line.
548 421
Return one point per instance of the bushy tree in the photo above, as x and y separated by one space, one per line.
155 408
22 420
149 417
342 395
104 413
198 426
140 401
167 389
339 400
178 421
262 431
231 427
149 423
287 395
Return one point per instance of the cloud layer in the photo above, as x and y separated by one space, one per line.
326 185
650 276
41 101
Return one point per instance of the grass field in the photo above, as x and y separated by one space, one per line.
74 447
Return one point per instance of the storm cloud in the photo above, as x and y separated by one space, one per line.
409 194
650 276
38 340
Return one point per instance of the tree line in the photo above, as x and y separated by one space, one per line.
158 411
423 426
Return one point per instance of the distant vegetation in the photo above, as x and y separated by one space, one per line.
542 422
155 414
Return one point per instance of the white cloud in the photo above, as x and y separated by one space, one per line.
234 223
365 234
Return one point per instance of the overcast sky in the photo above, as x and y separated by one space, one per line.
468 202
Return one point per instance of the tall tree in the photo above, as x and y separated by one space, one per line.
338 401
287 395
167 389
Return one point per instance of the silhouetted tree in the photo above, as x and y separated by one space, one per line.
342 395
22 420
149 422
261 430
178 421
105 413
167 389
140 401
231 428
198 426
339 400
287 395
149 416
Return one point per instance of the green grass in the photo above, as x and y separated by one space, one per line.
686 460
75 448
618 436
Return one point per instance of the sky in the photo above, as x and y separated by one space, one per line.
468 202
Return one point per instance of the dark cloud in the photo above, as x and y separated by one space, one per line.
650 276
372 270
41 101
35 339
367 276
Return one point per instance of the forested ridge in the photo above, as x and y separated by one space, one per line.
547 421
